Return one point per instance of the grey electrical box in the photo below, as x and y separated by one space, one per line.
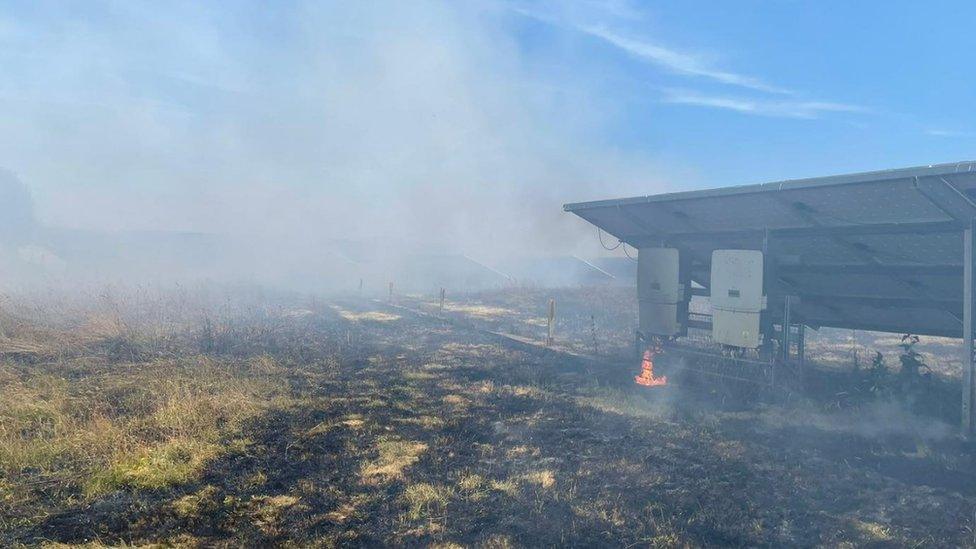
737 297
661 292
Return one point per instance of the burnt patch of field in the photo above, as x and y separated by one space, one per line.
385 428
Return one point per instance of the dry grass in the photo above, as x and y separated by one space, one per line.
544 478
471 484
145 427
368 316
509 486
478 310
874 530
77 427
154 467
294 426
426 500
394 455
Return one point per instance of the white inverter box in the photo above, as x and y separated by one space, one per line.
737 297
661 292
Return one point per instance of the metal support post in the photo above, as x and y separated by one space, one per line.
766 323
785 336
969 361
801 337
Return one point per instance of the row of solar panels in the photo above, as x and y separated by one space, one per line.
874 251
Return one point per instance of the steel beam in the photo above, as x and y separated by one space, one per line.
769 276
875 269
883 301
801 356
785 335
908 174
817 323
946 197
927 227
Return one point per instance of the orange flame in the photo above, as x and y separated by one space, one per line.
646 377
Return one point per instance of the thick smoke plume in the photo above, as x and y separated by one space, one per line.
417 125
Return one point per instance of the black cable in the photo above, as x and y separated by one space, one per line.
599 231
627 254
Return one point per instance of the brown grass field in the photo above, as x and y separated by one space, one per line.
241 418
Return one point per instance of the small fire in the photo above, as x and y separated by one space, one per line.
646 377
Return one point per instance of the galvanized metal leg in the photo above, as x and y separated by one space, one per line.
766 322
801 336
969 361
785 336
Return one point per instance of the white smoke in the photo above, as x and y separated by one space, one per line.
424 122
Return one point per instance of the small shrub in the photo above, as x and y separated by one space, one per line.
912 364
875 379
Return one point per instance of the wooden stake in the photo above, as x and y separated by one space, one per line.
596 350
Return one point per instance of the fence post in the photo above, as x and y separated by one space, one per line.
596 350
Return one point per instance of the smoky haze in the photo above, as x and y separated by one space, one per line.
414 125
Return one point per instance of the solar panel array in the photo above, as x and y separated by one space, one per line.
873 251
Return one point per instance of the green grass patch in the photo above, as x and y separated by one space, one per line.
168 464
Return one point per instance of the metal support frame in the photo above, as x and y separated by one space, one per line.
750 370
924 227
946 197
801 337
870 269
766 319
885 301
954 331
934 183
969 361
785 335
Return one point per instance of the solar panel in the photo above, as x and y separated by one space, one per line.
874 251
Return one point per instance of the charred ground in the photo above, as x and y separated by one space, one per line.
352 422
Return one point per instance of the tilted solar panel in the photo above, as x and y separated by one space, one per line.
873 251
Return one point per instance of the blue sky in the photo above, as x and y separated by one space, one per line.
470 122
753 91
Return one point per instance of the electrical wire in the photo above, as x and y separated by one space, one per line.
599 232
620 243
627 254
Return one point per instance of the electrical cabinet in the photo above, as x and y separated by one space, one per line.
661 292
737 297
